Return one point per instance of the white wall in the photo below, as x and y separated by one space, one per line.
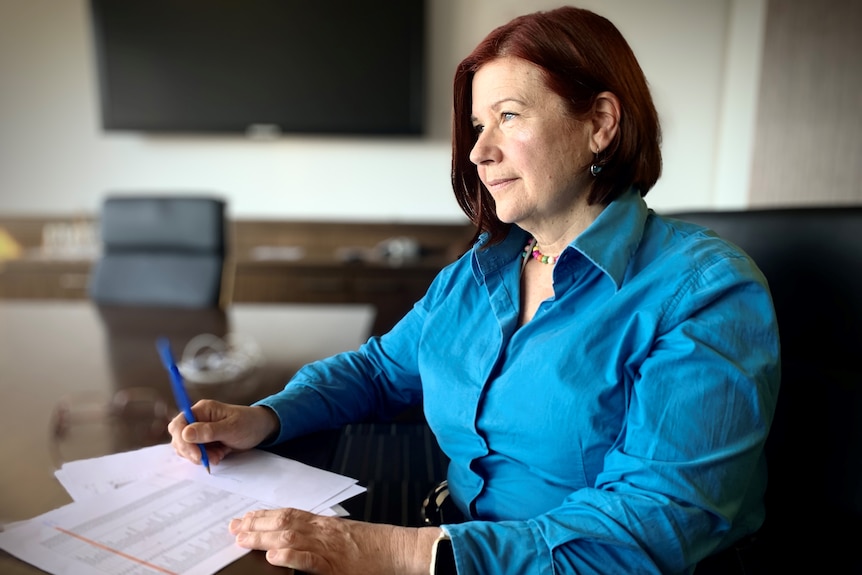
702 60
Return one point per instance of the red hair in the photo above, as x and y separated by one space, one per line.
582 54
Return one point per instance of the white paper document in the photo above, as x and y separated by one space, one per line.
157 525
259 474
172 520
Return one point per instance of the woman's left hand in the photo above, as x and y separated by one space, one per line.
334 546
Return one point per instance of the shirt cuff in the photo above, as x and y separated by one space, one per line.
442 557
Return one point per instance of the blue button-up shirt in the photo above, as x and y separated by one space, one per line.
621 430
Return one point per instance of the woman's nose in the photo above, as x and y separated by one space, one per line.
485 149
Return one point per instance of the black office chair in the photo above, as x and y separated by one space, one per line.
812 259
160 252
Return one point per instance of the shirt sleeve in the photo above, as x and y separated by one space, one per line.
688 458
378 380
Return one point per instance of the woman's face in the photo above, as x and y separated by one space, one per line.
530 153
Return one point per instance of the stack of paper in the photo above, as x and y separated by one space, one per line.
149 511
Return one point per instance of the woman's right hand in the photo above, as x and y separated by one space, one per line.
222 428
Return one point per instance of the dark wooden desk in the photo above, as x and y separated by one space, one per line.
56 351
270 261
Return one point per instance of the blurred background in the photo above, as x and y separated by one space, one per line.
760 103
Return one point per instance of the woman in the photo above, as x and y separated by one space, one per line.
602 379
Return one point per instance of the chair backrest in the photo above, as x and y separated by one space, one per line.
812 259
160 251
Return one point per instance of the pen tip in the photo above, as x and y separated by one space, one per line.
208 470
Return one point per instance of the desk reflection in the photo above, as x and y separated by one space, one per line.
80 380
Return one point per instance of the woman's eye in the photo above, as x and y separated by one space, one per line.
508 116
478 129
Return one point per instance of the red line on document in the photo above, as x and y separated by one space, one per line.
115 551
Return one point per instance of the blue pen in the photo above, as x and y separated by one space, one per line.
182 398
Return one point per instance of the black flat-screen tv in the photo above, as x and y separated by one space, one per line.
350 67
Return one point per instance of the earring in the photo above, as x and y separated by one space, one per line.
595 168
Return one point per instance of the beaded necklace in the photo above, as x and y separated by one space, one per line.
532 249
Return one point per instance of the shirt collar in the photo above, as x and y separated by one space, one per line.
608 243
490 260
612 239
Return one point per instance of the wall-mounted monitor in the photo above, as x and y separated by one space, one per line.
236 66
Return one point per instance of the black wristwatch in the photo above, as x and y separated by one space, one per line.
444 557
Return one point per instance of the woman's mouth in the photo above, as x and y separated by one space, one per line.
498 184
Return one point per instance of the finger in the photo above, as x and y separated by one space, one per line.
192 453
210 410
185 449
216 422
177 423
286 548
198 433
265 520
284 539
304 561
216 452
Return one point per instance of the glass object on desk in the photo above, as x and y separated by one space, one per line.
221 368
86 425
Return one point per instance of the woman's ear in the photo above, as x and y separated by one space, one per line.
606 120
